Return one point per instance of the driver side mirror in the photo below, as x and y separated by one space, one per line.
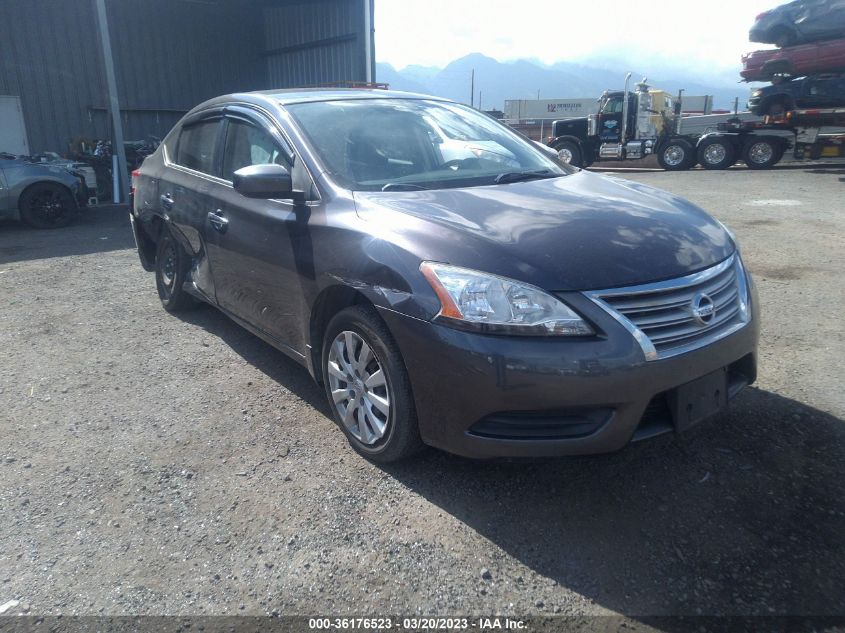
265 181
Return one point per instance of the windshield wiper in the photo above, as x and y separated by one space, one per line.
401 186
516 176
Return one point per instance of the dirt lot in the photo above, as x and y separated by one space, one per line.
157 465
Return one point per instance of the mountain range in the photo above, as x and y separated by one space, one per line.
521 79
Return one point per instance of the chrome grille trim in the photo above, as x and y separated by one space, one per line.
660 315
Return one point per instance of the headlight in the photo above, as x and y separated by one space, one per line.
757 93
498 305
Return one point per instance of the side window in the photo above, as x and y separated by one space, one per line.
248 145
196 146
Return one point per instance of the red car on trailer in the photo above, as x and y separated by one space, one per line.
795 61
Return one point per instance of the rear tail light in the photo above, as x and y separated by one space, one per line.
760 15
135 175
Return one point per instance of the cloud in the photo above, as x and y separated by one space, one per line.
707 37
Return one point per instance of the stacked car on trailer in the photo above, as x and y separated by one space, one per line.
806 98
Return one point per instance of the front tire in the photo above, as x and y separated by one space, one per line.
47 206
716 153
676 154
171 267
368 387
568 152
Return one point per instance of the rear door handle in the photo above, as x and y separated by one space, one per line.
167 201
217 220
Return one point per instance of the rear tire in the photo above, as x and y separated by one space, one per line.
47 206
716 153
368 389
763 153
568 152
777 108
677 154
171 267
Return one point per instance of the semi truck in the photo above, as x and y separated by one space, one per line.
631 125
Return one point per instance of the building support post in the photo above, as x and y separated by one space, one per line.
118 148
369 53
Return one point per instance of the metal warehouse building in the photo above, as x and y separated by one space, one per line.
165 56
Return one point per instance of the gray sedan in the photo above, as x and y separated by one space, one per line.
800 22
42 196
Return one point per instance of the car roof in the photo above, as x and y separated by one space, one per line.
302 95
281 98
285 97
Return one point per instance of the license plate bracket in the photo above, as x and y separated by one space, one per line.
699 399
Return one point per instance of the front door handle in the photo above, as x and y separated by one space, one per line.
217 220
166 201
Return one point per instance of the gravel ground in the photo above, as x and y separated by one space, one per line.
151 464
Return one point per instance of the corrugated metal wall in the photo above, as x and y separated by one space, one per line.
315 43
169 55
49 57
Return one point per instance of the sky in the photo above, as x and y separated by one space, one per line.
705 36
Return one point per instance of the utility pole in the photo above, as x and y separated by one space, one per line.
118 148
538 94
479 100
472 88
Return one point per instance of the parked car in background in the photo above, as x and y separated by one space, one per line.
799 22
795 61
815 91
41 195
474 295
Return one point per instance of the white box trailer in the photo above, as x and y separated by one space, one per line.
520 110
523 109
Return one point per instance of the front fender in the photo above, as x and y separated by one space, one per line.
565 137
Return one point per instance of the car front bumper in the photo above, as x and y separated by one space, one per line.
477 394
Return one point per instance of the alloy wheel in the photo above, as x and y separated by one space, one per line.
359 387
168 268
48 206
761 152
715 153
674 155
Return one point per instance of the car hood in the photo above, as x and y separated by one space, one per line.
576 232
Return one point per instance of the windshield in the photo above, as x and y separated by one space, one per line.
612 106
381 144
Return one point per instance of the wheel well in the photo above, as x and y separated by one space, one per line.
149 234
728 140
675 139
570 139
786 100
47 182
778 142
328 303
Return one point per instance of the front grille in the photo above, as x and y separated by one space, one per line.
671 317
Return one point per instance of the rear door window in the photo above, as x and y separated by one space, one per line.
196 146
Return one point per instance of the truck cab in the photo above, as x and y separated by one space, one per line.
629 124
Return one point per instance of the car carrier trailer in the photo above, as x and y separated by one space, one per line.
632 125
762 144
